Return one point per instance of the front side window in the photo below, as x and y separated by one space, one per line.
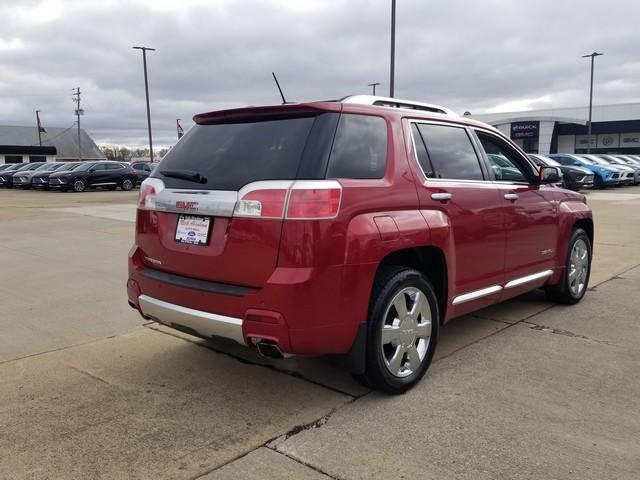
449 153
504 161
359 148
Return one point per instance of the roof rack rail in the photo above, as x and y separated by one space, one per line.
397 103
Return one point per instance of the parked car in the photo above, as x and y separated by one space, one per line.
23 178
4 166
604 176
40 178
502 168
143 169
316 229
574 178
626 173
6 176
633 169
105 174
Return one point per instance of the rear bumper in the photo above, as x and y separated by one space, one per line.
305 311
204 323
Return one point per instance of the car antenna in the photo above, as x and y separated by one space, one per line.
279 89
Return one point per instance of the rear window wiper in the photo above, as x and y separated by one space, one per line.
190 175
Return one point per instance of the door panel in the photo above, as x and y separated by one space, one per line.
471 209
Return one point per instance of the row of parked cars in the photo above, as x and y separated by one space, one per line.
74 176
597 171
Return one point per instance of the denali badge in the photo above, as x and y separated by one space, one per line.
548 251
153 260
190 206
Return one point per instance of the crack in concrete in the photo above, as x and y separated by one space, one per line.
566 333
89 374
308 465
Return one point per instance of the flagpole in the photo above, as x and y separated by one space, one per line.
38 127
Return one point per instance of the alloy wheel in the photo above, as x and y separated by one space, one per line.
406 331
578 267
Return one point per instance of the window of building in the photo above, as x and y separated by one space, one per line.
13 159
37 158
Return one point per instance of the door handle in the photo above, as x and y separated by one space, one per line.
512 197
441 197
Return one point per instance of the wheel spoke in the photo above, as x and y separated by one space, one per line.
395 362
420 305
390 335
400 304
423 330
572 274
414 358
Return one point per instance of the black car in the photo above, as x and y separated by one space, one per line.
143 170
103 174
573 178
6 175
40 178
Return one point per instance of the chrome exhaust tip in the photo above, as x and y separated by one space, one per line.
269 349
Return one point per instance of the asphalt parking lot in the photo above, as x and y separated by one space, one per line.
88 389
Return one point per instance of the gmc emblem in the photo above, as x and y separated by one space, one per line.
190 206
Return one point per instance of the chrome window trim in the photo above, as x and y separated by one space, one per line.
467 297
445 180
205 323
528 278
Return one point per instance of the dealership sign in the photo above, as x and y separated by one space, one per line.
630 140
609 140
582 141
524 129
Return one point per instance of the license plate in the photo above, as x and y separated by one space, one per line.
193 229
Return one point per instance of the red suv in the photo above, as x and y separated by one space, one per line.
353 227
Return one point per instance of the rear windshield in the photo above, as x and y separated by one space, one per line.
232 155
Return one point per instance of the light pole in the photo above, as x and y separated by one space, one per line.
393 49
374 87
592 55
146 91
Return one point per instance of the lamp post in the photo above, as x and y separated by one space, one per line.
374 87
146 91
393 49
592 55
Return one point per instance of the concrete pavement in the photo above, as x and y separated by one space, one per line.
525 389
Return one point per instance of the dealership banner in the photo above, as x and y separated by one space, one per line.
582 141
630 140
609 140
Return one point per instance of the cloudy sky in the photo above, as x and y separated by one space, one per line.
482 56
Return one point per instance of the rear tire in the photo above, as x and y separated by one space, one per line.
577 270
402 329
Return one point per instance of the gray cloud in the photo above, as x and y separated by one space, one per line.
467 55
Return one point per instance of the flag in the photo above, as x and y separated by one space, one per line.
180 129
40 127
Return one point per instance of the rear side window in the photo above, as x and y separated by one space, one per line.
359 148
450 152
231 155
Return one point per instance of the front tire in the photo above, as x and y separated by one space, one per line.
79 185
598 182
575 278
127 184
402 329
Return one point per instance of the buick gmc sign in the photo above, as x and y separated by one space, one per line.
524 129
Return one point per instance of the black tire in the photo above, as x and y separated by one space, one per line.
390 283
78 185
566 183
127 184
563 292
598 182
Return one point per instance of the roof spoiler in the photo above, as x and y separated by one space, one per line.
271 111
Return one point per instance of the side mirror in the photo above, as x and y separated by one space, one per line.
577 163
550 175
91 170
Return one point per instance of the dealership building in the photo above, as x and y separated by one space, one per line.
615 129
21 145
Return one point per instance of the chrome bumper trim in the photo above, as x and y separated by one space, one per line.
205 323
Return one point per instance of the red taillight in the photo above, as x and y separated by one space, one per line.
313 201
148 191
267 203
